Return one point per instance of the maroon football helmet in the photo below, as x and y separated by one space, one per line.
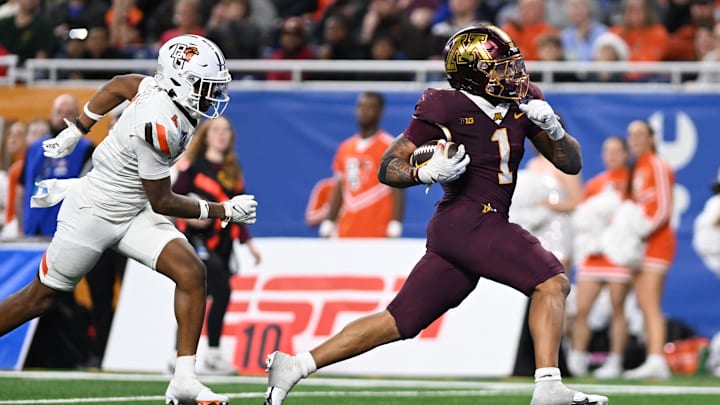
483 60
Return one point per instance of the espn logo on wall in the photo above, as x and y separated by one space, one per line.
306 290
270 314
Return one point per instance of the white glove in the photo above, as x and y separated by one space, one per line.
50 192
327 228
241 209
64 143
440 169
394 229
540 113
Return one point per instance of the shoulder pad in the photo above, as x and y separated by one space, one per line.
165 137
432 105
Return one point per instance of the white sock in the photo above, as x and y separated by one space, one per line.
547 374
185 366
655 359
307 363
614 358
579 353
213 351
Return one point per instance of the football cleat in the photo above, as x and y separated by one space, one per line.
215 364
283 373
649 369
612 368
577 363
558 394
190 391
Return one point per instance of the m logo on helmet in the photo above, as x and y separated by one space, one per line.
467 48
182 53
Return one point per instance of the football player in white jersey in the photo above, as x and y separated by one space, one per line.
109 207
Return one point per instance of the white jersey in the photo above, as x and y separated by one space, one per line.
138 147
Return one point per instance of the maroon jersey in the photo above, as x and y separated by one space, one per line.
469 236
495 149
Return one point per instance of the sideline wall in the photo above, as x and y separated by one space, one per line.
304 291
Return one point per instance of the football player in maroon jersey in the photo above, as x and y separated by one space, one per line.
490 110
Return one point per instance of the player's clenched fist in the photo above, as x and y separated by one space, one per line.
442 169
542 115
241 209
64 143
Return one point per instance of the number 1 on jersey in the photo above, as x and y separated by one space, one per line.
500 136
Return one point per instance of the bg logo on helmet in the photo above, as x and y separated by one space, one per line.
182 53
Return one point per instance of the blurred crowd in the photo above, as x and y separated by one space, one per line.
547 30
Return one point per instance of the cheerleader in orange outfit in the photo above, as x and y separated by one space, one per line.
597 271
652 183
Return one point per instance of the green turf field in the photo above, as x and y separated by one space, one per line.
104 388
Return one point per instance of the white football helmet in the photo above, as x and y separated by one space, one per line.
192 70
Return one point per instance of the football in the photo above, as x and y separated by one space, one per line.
424 152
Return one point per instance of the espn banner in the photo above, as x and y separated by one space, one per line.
306 290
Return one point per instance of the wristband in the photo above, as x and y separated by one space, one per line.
556 133
227 206
204 209
90 114
81 127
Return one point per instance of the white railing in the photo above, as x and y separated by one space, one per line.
248 73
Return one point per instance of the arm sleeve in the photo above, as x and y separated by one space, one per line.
429 118
663 184
420 131
151 164
146 83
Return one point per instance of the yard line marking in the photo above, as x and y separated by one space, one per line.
359 382
83 400
309 394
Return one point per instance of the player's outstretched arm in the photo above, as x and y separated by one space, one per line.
395 169
110 95
114 92
241 208
107 97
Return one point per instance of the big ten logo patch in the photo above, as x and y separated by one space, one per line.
181 53
270 314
